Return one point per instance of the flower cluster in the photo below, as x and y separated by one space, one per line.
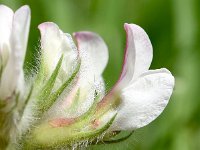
64 102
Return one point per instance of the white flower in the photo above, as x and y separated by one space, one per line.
64 101
14 29
84 111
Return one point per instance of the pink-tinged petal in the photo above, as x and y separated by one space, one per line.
51 41
138 54
61 122
90 79
137 59
50 36
95 47
6 18
55 43
144 100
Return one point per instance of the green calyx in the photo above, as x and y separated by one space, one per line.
46 136
83 128
47 97
46 90
61 132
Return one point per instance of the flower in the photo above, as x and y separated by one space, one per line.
64 102
14 29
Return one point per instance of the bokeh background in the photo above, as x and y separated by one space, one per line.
174 29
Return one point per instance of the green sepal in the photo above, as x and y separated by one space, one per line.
22 109
46 90
1 71
48 101
91 110
75 102
88 116
119 138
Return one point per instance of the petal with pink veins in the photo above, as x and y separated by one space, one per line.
138 54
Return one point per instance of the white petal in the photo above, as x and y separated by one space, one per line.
95 47
87 84
92 66
54 43
20 32
6 18
138 54
13 77
144 100
90 78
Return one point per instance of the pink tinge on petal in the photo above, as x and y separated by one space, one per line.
94 46
95 123
83 36
43 27
70 97
137 58
110 94
61 122
124 70
138 54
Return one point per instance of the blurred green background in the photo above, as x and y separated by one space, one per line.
174 29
